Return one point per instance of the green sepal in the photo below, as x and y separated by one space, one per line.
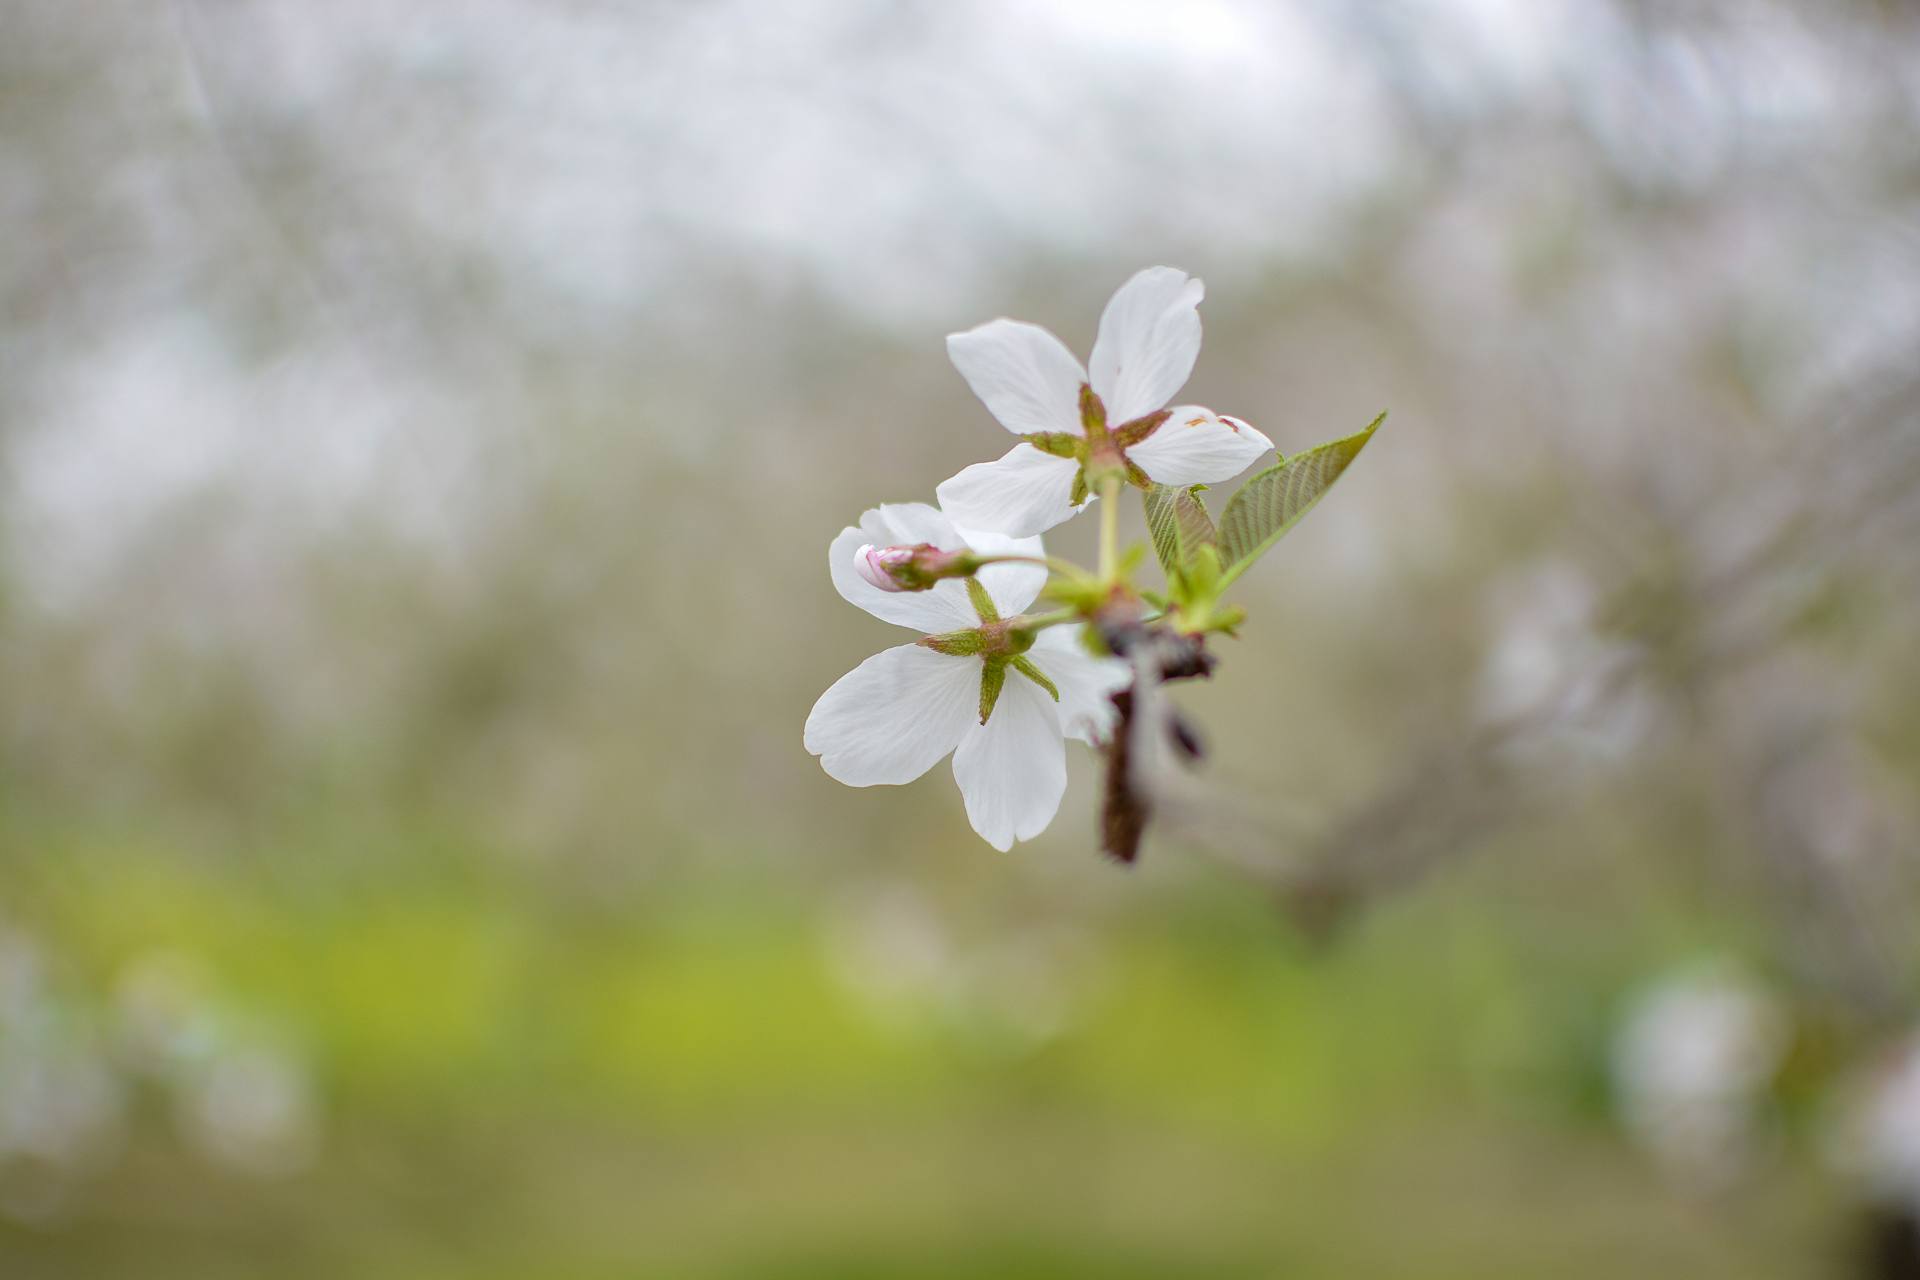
1024 665
993 678
1273 501
970 643
1131 433
1080 490
1137 476
982 602
1061 444
1178 523
1093 413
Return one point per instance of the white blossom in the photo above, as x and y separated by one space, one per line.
1880 1138
1071 418
900 712
1691 1064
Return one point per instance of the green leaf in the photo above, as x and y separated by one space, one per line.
1202 574
1179 524
1274 500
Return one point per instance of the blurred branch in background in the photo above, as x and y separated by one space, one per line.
1726 646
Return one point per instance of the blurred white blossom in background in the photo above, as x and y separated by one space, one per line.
241 1097
1692 1060
900 960
72 1066
1551 667
1879 1135
61 1103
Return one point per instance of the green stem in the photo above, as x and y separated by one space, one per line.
1065 568
1109 527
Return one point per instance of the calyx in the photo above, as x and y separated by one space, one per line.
1100 450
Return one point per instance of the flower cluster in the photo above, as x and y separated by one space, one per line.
999 688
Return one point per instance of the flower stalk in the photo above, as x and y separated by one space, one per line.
1109 528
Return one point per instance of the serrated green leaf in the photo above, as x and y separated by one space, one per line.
1274 500
1179 525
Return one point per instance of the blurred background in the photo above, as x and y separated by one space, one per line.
421 428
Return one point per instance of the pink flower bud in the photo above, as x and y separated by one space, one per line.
878 565
913 568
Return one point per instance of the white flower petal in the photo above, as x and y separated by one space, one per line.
891 718
1022 373
1012 770
1020 494
1198 446
906 523
1085 683
1149 339
1012 586
944 608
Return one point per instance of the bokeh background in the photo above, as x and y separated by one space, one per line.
421 427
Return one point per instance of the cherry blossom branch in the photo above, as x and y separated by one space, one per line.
1087 432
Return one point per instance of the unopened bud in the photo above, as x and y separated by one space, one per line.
913 568
877 565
